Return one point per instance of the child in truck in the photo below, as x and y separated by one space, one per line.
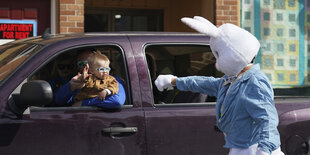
99 83
65 96
245 110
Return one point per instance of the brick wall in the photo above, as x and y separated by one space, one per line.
227 11
71 16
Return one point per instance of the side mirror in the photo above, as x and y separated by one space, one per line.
36 93
33 93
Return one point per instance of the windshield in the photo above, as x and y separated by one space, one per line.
11 57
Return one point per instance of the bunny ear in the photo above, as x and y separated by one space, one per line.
201 25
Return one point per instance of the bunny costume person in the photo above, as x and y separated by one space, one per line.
245 110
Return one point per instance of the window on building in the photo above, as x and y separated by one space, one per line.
247 2
279 4
266 2
266 16
280 47
293 62
292 17
292 48
248 29
247 15
269 76
292 32
280 62
292 77
106 19
267 62
266 31
280 77
279 32
279 16
291 3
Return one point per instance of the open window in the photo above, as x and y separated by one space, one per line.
180 60
66 61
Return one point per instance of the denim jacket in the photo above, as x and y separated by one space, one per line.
246 112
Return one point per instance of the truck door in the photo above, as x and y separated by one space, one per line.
77 130
178 122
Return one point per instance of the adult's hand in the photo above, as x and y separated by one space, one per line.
78 81
164 81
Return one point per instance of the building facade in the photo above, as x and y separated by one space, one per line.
75 16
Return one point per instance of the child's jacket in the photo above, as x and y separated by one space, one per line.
94 86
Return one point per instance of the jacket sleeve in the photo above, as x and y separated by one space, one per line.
63 95
261 108
113 85
199 84
113 101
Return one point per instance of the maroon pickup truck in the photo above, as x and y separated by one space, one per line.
149 123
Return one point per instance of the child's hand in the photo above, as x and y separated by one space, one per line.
102 94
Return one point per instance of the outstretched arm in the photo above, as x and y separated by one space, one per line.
200 84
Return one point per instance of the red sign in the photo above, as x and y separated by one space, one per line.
15 31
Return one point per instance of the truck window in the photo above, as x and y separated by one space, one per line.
68 60
180 60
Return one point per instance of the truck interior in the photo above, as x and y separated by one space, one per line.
117 64
180 60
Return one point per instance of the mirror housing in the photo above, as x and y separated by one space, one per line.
36 93
33 93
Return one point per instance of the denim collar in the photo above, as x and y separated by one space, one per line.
245 75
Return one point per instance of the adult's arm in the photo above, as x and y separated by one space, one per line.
199 84
260 106
113 101
64 94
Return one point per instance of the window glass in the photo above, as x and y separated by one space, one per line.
181 61
119 19
13 56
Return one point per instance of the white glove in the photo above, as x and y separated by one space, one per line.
164 81
261 152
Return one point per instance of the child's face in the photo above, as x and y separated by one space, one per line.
101 69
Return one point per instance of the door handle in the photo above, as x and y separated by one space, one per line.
117 130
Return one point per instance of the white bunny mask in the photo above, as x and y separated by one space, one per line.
233 47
